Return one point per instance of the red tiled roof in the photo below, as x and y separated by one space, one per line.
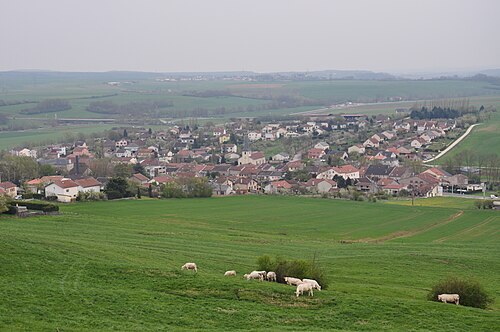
87 182
65 184
7 185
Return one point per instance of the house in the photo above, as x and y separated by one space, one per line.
221 189
254 158
437 173
418 142
121 143
139 178
229 148
367 185
224 138
394 189
322 145
371 143
278 187
346 171
66 190
321 186
358 148
315 153
376 172
254 136
281 157
88 185
8 188
219 131
24 152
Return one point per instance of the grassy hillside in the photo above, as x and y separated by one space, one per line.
483 140
116 265
9 140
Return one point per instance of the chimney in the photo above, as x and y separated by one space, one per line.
77 162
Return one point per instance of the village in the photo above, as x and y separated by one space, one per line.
348 156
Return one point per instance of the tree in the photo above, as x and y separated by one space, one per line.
125 133
117 187
3 204
47 170
138 168
123 170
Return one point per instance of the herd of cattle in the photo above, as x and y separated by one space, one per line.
303 285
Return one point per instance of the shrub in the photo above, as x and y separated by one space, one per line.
32 205
293 268
90 196
484 204
471 292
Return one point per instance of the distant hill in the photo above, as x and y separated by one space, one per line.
491 72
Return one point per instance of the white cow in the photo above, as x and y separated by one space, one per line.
190 266
292 281
304 287
253 275
271 276
313 282
231 273
455 298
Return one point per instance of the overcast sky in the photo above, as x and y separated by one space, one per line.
257 35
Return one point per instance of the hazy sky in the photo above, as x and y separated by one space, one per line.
257 35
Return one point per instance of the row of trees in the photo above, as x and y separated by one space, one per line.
477 166
18 169
138 108
119 187
47 106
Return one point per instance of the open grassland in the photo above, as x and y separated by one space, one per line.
483 140
116 265
38 137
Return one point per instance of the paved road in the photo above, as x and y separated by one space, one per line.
452 145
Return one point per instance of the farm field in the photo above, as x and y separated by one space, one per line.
483 140
246 98
116 265
11 139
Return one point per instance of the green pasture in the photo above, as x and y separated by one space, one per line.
483 140
116 265
38 137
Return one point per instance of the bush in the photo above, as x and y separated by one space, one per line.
471 292
293 268
90 196
31 205
484 204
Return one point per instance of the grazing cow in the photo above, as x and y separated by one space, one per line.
253 275
271 276
231 273
190 266
292 281
452 298
304 287
313 282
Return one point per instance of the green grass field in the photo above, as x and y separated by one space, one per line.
483 140
116 265
37 137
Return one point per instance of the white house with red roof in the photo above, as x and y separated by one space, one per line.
66 190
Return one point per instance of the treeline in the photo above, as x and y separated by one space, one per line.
48 106
187 188
15 102
136 107
435 113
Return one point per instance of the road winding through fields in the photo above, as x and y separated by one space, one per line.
452 145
